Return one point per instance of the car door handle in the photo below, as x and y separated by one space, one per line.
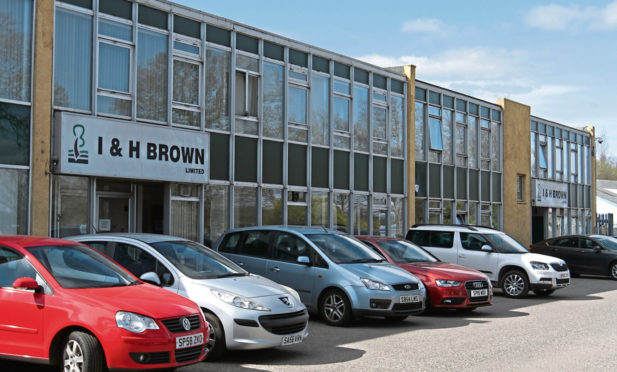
461 255
275 269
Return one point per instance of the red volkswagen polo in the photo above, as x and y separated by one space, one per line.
66 304
447 285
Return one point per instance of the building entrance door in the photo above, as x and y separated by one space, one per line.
537 228
114 212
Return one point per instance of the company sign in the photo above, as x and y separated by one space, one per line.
91 146
550 194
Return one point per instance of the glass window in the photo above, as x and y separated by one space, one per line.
296 207
360 118
441 239
70 206
297 105
186 91
495 147
379 216
246 94
320 214
461 183
13 201
341 212
447 137
398 228
520 188
361 215
298 58
216 212
115 30
218 35
341 113
379 122
397 126
256 243
320 109
273 51
219 149
397 176
296 165
273 100
16 47
185 211
272 155
420 211
288 247
473 142
246 159
271 206
114 67
380 165
151 66
72 65
473 242
14 134
341 70
361 172
320 166
139 262
245 206
218 65
341 170
542 153
419 123
13 266
435 134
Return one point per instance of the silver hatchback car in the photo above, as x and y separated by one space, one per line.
335 274
245 311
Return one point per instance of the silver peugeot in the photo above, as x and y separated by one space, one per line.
245 311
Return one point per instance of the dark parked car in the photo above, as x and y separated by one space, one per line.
584 254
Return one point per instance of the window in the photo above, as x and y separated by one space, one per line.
361 118
437 239
296 207
397 125
288 247
218 70
139 262
16 47
114 93
256 244
151 66
271 206
247 86
13 201
542 154
216 212
14 134
185 105
435 134
273 100
13 266
320 109
520 188
473 242
230 243
341 105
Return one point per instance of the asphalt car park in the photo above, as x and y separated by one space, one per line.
571 330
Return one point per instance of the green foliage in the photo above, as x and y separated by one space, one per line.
606 168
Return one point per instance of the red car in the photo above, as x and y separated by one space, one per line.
65 304
447 285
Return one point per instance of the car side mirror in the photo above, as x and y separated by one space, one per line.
304 260
597 249
26 283
486 248
151 277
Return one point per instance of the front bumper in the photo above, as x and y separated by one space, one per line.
367 302
459 297
549 279
265 330
153 349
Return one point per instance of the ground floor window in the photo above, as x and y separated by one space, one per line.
13 201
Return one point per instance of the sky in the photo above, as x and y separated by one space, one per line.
559 57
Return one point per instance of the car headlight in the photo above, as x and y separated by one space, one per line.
237 300
134 322
538 265
447 283
373 284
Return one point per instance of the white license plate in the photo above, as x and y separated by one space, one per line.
410 298
183 342
479 292
564 275
295 339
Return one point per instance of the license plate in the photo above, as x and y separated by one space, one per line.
183 342
295 339
410 298
479 292
564 275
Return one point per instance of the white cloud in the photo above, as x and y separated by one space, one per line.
425 25
555 17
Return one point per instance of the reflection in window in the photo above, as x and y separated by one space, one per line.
245 206
447 137
473 142
360 118
380 216
151 65
320 110
361 215
435 134
14 134
297 105
16 47
186 93
72 65
273 100
216 212
218 65
397 126
271 206
419 144
341 212
13 201
320 215
542 153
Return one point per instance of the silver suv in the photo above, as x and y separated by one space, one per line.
334 273
245 311
505 261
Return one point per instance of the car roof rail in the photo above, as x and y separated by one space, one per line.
470 227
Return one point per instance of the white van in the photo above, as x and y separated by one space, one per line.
505 261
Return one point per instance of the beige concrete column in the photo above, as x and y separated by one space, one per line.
41 117
410 74
516 161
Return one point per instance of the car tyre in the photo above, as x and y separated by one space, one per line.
515 284
335 308
82 352
216 339
543 292
613 271
427 306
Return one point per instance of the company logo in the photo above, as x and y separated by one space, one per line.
407 286
286 301
186 324
78 154
478 284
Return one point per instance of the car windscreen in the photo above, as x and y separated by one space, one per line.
197 261
344 248
505 244
608 242
76 266
405 252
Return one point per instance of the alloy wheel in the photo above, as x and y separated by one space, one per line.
73 357
334 307
514 284
614 271
211 338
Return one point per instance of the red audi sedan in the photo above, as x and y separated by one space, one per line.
65 304
448 286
